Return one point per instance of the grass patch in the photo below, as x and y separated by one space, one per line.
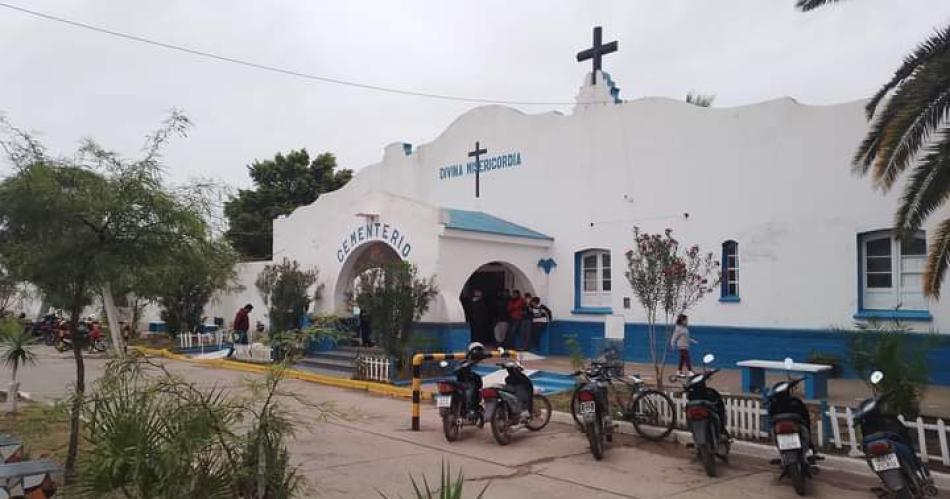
43 429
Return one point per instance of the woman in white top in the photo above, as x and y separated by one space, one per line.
681 340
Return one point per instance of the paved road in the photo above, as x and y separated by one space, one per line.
371 449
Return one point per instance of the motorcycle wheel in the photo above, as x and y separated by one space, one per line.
596 439
450 424
798 478
49 339
540 414
574 401
501 425
708 457
904 493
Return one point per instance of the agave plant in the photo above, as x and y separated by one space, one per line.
910 129
448 488
15 342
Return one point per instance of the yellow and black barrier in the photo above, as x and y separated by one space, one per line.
417 361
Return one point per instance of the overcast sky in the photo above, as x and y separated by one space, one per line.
68 83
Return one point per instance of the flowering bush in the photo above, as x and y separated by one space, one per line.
669 281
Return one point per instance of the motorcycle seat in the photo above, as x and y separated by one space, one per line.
883 435
789 416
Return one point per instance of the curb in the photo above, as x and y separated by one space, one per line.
368 386
843 464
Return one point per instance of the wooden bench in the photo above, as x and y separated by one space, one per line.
32 479
816 376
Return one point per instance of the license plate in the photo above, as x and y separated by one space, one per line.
442 401
885 462
587 407
788 441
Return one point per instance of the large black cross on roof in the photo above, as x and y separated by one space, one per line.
477 153
595 53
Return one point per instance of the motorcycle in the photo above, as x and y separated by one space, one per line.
791 430
706 417
889 450
594 408
459 401
517 403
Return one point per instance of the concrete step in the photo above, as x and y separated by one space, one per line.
336 364
325 372
334 355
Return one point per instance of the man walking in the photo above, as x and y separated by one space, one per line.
242 322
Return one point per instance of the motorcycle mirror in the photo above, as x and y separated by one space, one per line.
443 364
709 358
789 363
876 377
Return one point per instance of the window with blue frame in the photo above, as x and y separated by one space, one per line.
593 281
891 274
729 281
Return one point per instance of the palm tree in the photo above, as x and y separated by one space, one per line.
911 129
15 351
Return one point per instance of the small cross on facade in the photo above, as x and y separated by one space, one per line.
479 150
596 52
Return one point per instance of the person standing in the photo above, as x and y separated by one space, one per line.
681 341
479 317
516 309
540 316
242 322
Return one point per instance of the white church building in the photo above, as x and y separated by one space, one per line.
806 246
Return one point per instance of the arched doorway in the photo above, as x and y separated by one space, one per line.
371 255
492 281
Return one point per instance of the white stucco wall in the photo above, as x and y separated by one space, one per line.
773 176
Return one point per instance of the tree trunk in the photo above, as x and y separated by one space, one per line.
112 316
73 449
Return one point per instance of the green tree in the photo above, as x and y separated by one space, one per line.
72 225
394 297
9 291
285 288
201 268
280 185
909 129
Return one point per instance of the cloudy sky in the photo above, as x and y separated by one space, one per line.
67 83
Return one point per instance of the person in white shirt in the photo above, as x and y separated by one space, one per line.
681 340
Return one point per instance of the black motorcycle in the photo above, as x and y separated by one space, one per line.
515 404
791 429
706 417
593 407
889 449
460 401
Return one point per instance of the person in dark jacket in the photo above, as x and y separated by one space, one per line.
540 316
480 318
242 322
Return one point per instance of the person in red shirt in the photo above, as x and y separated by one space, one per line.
516 308
242 322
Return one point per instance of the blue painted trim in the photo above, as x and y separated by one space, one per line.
729 299
406 148
547 264
860 253
593 310
577 280
895 315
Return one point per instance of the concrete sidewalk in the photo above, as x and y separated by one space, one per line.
841 392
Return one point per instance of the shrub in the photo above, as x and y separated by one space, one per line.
888 348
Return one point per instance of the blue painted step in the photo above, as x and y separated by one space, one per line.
548 382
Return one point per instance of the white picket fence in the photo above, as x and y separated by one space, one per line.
744 416
373 367
215 339
843 434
